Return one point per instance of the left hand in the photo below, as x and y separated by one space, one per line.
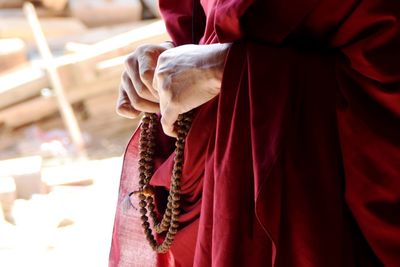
187 77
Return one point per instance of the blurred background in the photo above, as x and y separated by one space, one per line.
61 142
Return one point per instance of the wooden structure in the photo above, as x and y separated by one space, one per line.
92 71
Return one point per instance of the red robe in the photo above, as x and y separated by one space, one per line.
297 162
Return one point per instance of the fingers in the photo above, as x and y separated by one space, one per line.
124 107
139 73
136 101
146 69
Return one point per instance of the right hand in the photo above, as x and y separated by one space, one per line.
136 93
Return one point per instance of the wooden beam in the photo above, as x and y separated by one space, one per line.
72 66
13 53
41 107
18 27
66 111
102 65
21 84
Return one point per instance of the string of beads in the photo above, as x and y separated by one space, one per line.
169 222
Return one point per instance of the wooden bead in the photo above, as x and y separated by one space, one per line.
142 203
143 211
170 235
142 169
176 188
147 143
153 215
147 231
176 197
175 204
173 230
168 213
167 220
169 205
148 190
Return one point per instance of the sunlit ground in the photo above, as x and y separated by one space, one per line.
70 226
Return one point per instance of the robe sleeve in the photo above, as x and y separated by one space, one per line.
369 121
185 21
265 21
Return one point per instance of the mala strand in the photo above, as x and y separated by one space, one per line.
170 219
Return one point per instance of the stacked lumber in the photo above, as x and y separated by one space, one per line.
83 75
21 84
12 53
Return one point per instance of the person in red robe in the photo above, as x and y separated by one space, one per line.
293 157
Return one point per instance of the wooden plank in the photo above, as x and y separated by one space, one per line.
71 67
42 12
97 76
97 34
10 3
28 81
65 108
12 53
95 13
55 4
21 84
41 107
17 27
111 65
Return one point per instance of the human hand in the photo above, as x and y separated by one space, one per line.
187 77
136 93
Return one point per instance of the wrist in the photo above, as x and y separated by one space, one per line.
221 52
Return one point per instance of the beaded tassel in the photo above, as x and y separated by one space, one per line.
170 219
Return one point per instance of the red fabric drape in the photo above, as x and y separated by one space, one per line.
297 162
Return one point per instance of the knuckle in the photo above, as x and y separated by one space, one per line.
130 61
139 103
140 91
142 48
125 78
146 73
119 108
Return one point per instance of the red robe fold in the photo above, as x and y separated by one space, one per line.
297 162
